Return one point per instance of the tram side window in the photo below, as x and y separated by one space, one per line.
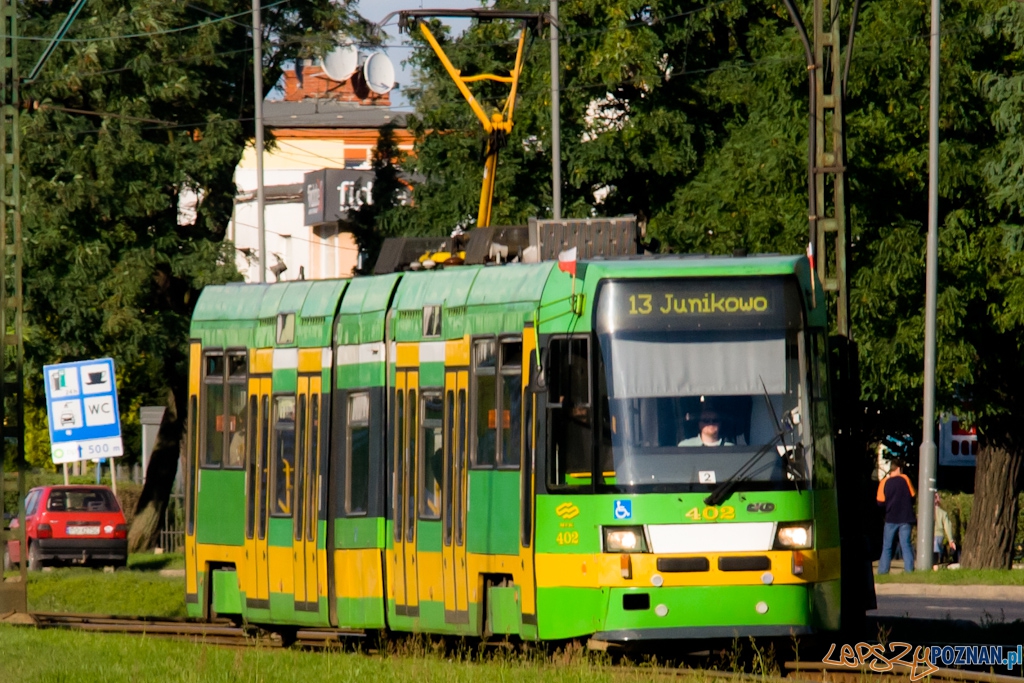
399 442
357 484
251 471
410 472
449 463
432 459
282 487
313 465
213 383
570 417
298 480
190 486
263 466
237 386
526 499
511 401
485 443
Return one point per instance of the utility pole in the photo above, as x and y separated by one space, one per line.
12 352
556 120
927 453
257 85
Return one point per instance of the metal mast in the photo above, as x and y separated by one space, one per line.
12 353
830 160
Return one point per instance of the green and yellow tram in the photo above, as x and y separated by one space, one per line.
642 451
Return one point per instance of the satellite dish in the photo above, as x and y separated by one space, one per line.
379 73
342 61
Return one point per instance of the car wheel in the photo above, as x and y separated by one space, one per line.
35 562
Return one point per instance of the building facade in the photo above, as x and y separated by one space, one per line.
316 171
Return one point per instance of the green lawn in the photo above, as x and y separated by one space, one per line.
959 577
123 593
28 655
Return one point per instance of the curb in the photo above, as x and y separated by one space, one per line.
969 591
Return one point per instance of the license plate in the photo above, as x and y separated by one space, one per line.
83 531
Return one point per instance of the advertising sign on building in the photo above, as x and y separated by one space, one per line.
331 193
81 406
958 443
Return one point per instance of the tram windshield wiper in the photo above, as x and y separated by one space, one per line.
723 490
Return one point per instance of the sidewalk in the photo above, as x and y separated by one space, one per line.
959 591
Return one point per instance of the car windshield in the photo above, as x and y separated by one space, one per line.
688 401
81 500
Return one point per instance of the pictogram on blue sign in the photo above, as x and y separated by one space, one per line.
623 509
81 404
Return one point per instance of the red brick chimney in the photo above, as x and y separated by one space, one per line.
316 84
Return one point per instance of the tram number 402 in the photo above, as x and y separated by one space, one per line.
568 538
712 513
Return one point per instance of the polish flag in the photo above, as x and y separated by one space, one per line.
810 255
567 261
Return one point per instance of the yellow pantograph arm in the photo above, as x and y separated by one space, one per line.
510 103
457 77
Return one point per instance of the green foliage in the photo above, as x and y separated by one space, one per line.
958 577
111 267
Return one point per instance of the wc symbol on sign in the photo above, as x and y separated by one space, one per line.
623 509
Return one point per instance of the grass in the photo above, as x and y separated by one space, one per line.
28 655
958 577
148 562
123 593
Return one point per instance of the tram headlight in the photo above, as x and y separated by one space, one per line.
624 539
794 536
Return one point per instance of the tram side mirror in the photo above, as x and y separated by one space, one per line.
538 378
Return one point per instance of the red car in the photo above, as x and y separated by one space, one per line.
71 524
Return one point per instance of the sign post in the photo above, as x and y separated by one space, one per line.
81 405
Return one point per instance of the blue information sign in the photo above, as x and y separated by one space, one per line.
81 404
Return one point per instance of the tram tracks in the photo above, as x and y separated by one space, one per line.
225 633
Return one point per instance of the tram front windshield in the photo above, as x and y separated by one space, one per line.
695 378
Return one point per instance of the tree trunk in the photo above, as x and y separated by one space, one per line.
163 466
988 543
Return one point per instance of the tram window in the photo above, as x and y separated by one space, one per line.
190 461
410 470
485 443
282 486
357 482
449 462
460 469
312 465
432 457
250 472
431 321
570 423
213 383
299 481
285 328
511 401
236 426
526 497
399 463
263 467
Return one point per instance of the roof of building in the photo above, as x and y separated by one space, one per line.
328 113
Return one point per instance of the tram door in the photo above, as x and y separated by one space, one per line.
304 557
406 584
453 562
260 559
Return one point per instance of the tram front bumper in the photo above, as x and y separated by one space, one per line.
699 612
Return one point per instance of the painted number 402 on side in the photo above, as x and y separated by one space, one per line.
568 538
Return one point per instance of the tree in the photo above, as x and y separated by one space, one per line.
381 217
144 109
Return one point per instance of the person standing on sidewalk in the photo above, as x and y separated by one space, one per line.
896 495
943 531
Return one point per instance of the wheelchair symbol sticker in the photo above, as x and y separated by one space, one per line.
623 509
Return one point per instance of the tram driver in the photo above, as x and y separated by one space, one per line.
708 435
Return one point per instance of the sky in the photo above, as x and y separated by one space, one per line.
376 10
